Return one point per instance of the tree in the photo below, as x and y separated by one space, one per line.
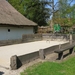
17 5
65 12
65 15
36 10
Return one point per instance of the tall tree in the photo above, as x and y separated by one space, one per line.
65 15
17 4
35 10
64 12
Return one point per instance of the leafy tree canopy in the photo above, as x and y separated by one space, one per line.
65 15
35 10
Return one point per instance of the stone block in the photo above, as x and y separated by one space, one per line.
41 54
13 62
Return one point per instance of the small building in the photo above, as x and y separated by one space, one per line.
13 24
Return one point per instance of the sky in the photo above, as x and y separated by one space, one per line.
55 1
54 4
71 3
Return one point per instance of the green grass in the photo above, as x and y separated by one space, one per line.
74 48
52 68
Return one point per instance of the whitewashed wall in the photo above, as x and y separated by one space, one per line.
14 33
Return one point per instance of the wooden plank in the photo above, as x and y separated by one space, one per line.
64 49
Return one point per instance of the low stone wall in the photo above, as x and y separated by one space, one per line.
36 37
10 42
18 61
32 37
56 36
25 38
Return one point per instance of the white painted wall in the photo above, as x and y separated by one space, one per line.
15 32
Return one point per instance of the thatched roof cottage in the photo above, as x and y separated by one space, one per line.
13 24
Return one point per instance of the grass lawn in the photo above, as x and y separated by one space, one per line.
52 68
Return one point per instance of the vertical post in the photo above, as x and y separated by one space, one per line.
51 25
70 38
13 62
59 46
41 54
60 56
71 51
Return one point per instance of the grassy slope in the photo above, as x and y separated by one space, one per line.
51 68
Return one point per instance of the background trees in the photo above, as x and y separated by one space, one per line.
65 15
40 11
35 10
18 5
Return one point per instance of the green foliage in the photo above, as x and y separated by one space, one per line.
57 28
37 11
51 68
16 4
66 13
34 10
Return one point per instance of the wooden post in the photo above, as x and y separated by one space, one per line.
60 56
41 54
71 51
70 38
59 46
13 62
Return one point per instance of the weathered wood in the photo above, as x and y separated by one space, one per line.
60 51
13 62
71 51
59 46
60 56
65 48
41 54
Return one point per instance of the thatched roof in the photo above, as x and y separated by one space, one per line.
9 15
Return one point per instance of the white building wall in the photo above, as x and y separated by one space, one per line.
14 32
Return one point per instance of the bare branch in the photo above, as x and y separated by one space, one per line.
50 5
71 2
56 4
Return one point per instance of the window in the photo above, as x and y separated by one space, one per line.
8 30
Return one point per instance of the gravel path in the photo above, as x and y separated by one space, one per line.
20 49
